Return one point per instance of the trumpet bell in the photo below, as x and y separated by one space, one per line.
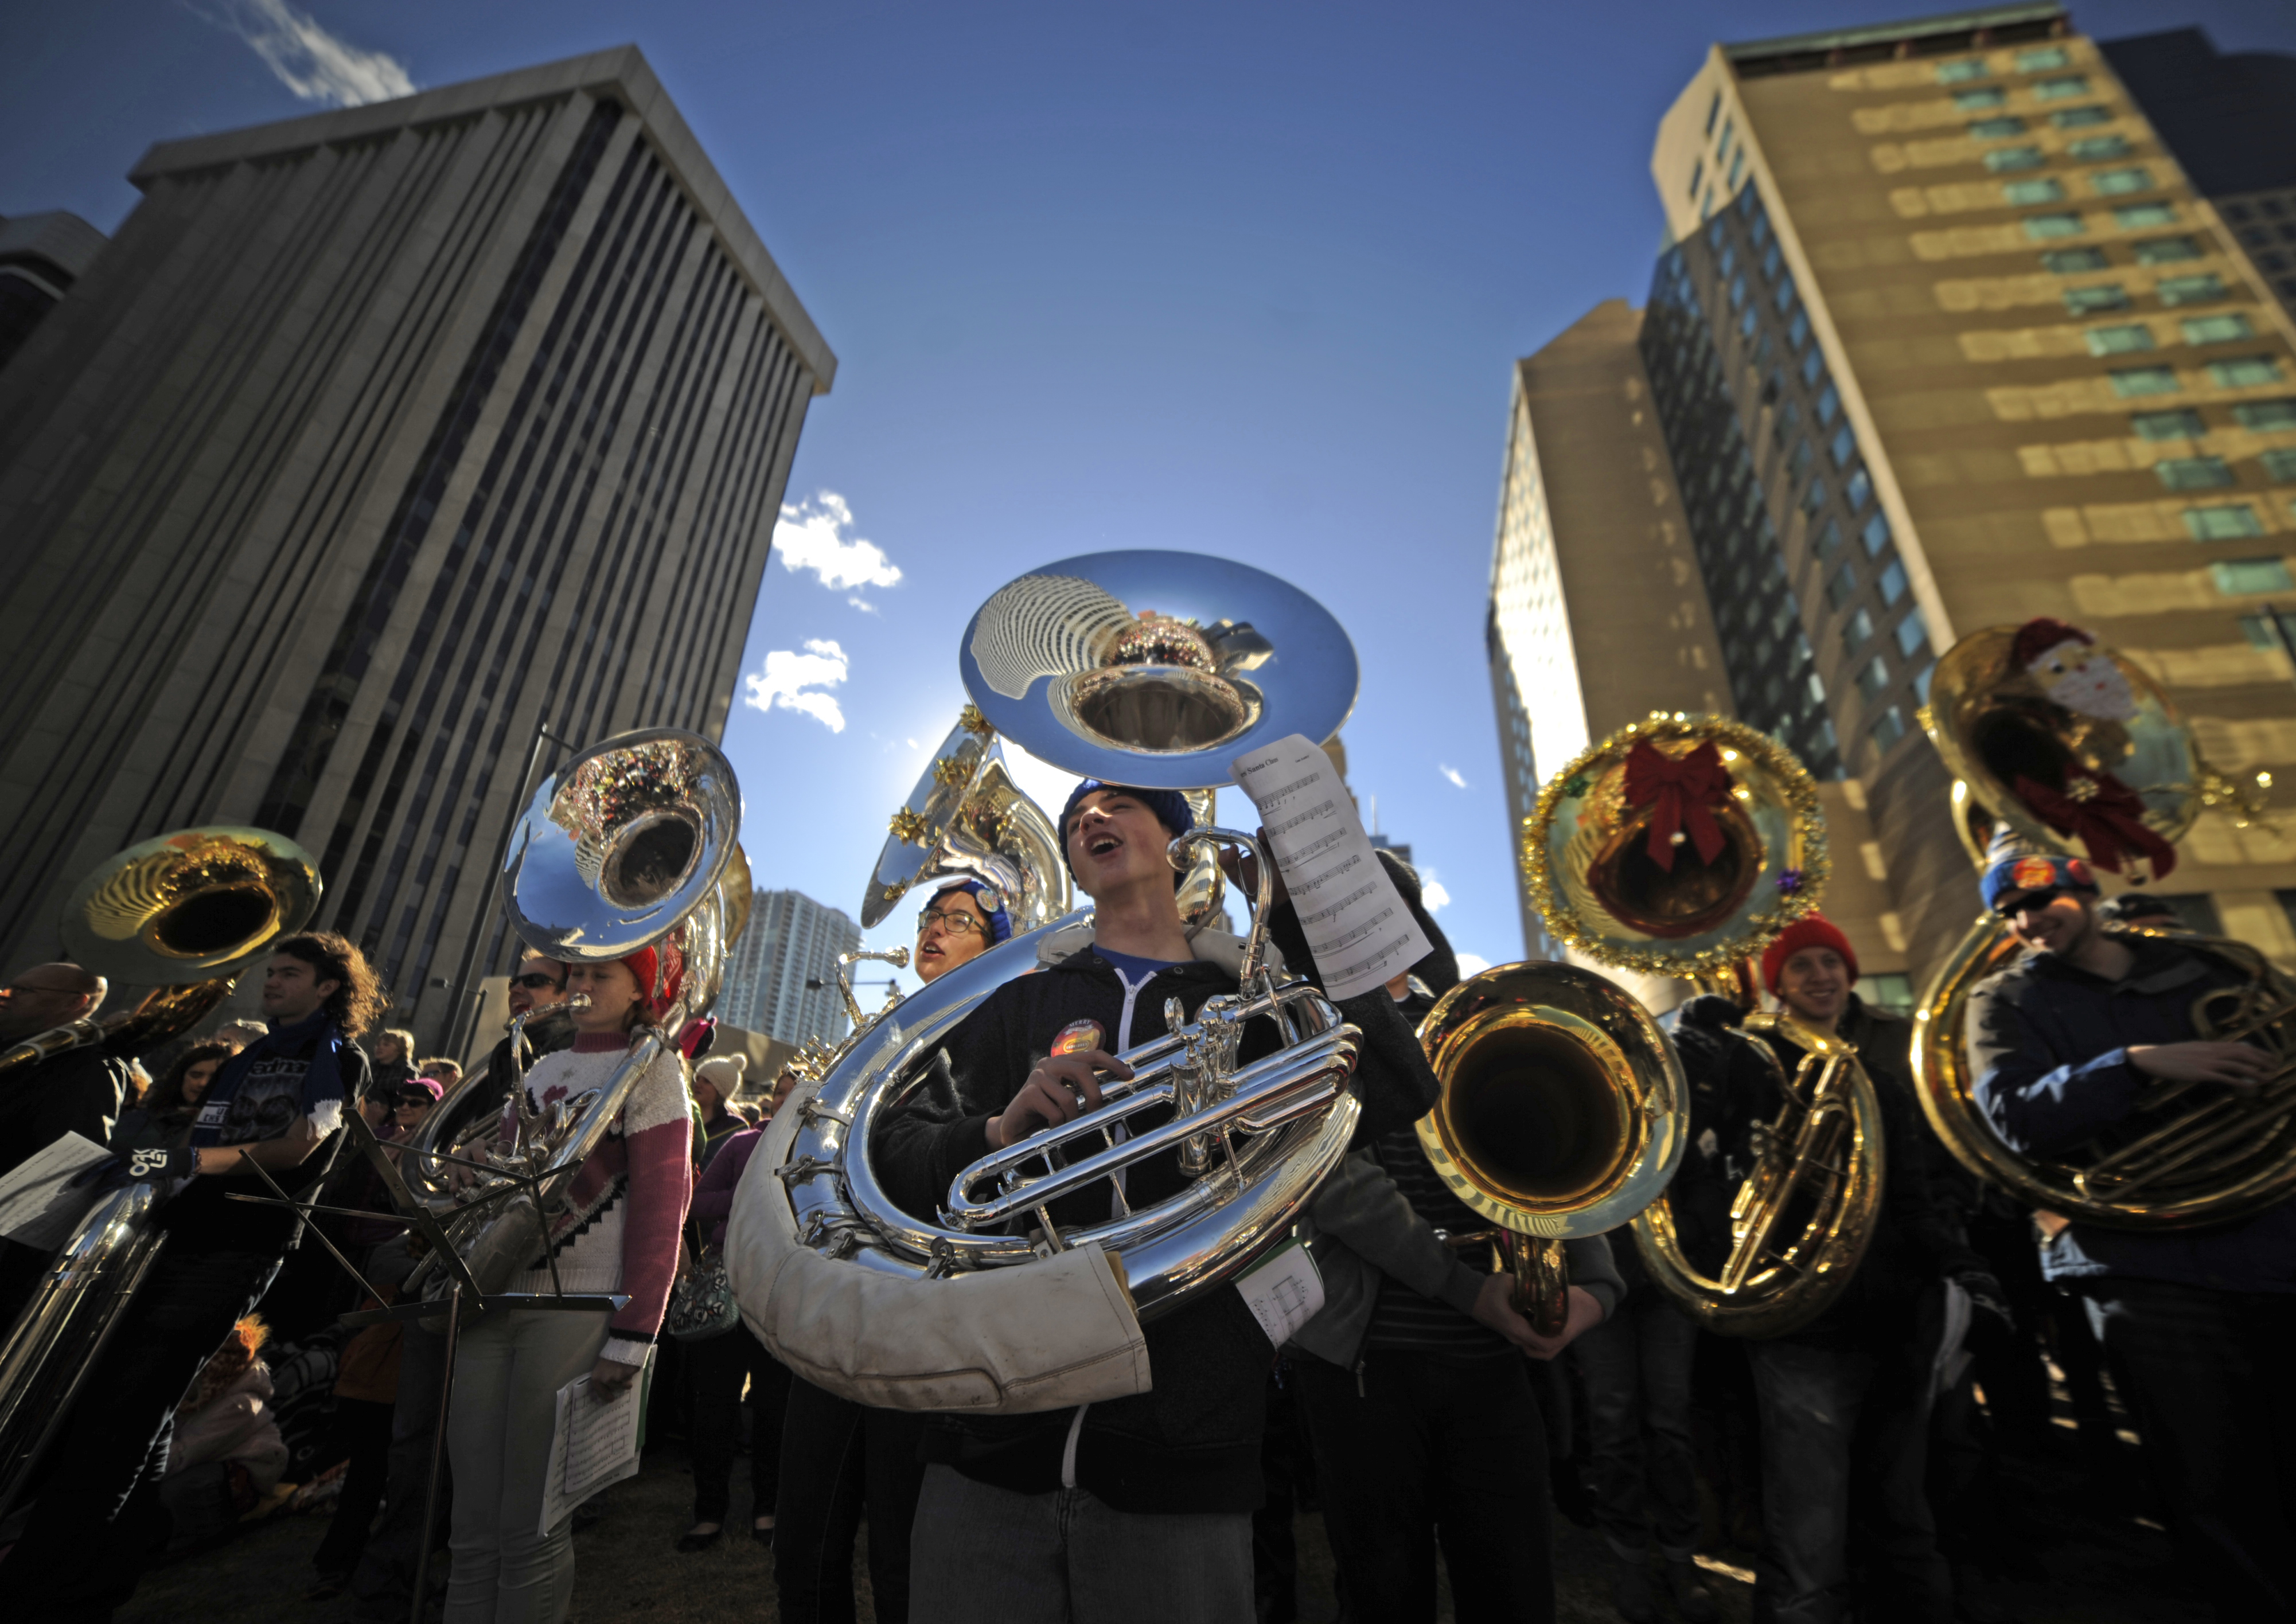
190 905
622 844
1156 669
1600 885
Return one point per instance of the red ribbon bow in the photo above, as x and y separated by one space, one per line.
2109 823
1678 790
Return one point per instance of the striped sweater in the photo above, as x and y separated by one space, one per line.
620 1233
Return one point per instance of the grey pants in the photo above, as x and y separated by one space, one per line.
507 1374
984 1555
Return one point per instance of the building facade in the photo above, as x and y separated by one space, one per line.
374 441
41 256
781 978
1944 339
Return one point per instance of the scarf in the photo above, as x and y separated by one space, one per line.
323 1079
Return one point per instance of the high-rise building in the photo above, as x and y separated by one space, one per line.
41 256
372 442
781 978
1944 338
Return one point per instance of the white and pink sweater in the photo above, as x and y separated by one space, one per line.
629 1198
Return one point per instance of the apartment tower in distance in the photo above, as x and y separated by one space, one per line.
371 441
781 977
1944 339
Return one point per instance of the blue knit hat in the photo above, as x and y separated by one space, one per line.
991 901
1169 805
2015 865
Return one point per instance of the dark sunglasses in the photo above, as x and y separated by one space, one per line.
407 1101
534 981
2009 907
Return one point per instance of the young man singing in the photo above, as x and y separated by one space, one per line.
1138 1508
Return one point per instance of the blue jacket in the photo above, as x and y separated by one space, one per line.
2048 1044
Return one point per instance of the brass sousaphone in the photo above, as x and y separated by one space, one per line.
2192 1155
1680 846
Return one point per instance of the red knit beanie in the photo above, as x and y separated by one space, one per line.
1811 931
660 973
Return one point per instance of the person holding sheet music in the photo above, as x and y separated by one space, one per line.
618 1234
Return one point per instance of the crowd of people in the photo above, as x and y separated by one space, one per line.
1431 1416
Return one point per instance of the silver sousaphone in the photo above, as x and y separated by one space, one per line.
1154 670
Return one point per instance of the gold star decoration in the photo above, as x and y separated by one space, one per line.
909 828
953 771
970 719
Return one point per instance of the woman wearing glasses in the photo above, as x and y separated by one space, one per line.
837 1455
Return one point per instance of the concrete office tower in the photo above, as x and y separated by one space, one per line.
41 256
792 939
372 440
1600 613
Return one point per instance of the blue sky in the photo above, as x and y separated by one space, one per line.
1235 278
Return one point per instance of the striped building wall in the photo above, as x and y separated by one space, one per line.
373 440
792 939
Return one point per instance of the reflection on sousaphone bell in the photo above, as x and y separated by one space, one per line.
190 906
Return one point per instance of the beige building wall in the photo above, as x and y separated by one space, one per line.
2021 476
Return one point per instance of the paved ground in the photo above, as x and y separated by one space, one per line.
2088 1561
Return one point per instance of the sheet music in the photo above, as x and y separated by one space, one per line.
37 1205
596 1443
1283 1292
1358 927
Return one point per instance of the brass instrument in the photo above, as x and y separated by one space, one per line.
630 845
1616 884
1218 658
180 914
967 818
1564 1113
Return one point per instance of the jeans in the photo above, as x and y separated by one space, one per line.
382 1584
715 1367
835 1456
2212 1401
98 1520
985 1555
505 1415
1845 1439
1416 1449
1637 1365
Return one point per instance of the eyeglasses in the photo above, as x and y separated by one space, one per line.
534 981
956 924
413 1101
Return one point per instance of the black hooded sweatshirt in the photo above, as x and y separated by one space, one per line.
1191 1444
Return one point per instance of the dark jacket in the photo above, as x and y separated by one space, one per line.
547 1031
2048 1044
79 1091
1190 1443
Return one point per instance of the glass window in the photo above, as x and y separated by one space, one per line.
1961 72
2025 193
2190 289
1713 112
1784 296
2040 59
1746 322
1798 328
2001 161
1876 533
2138 217
2261 635
1857 631
1812 364
1771 261
1737 168
1977 100
1829 402
1737 293
2180 422
2242 576
2092 300
1892 584
1842 446
1873 676
1997 129
1814 498
2042 227
2194 472
2072 261
2128 381
2119 340
2265 416
1913 634
1859 488
1799 460
1760 232
1888 728
1842 586
2279 464
2217 329
2234 521
2061 89
2115 183
2167 251
1921 683
2078 118
2098 148
1697 173
2246 372
1828 537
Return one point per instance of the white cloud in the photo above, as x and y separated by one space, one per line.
310 61
783 684
1453 774
1432 895
813 536
1472 963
